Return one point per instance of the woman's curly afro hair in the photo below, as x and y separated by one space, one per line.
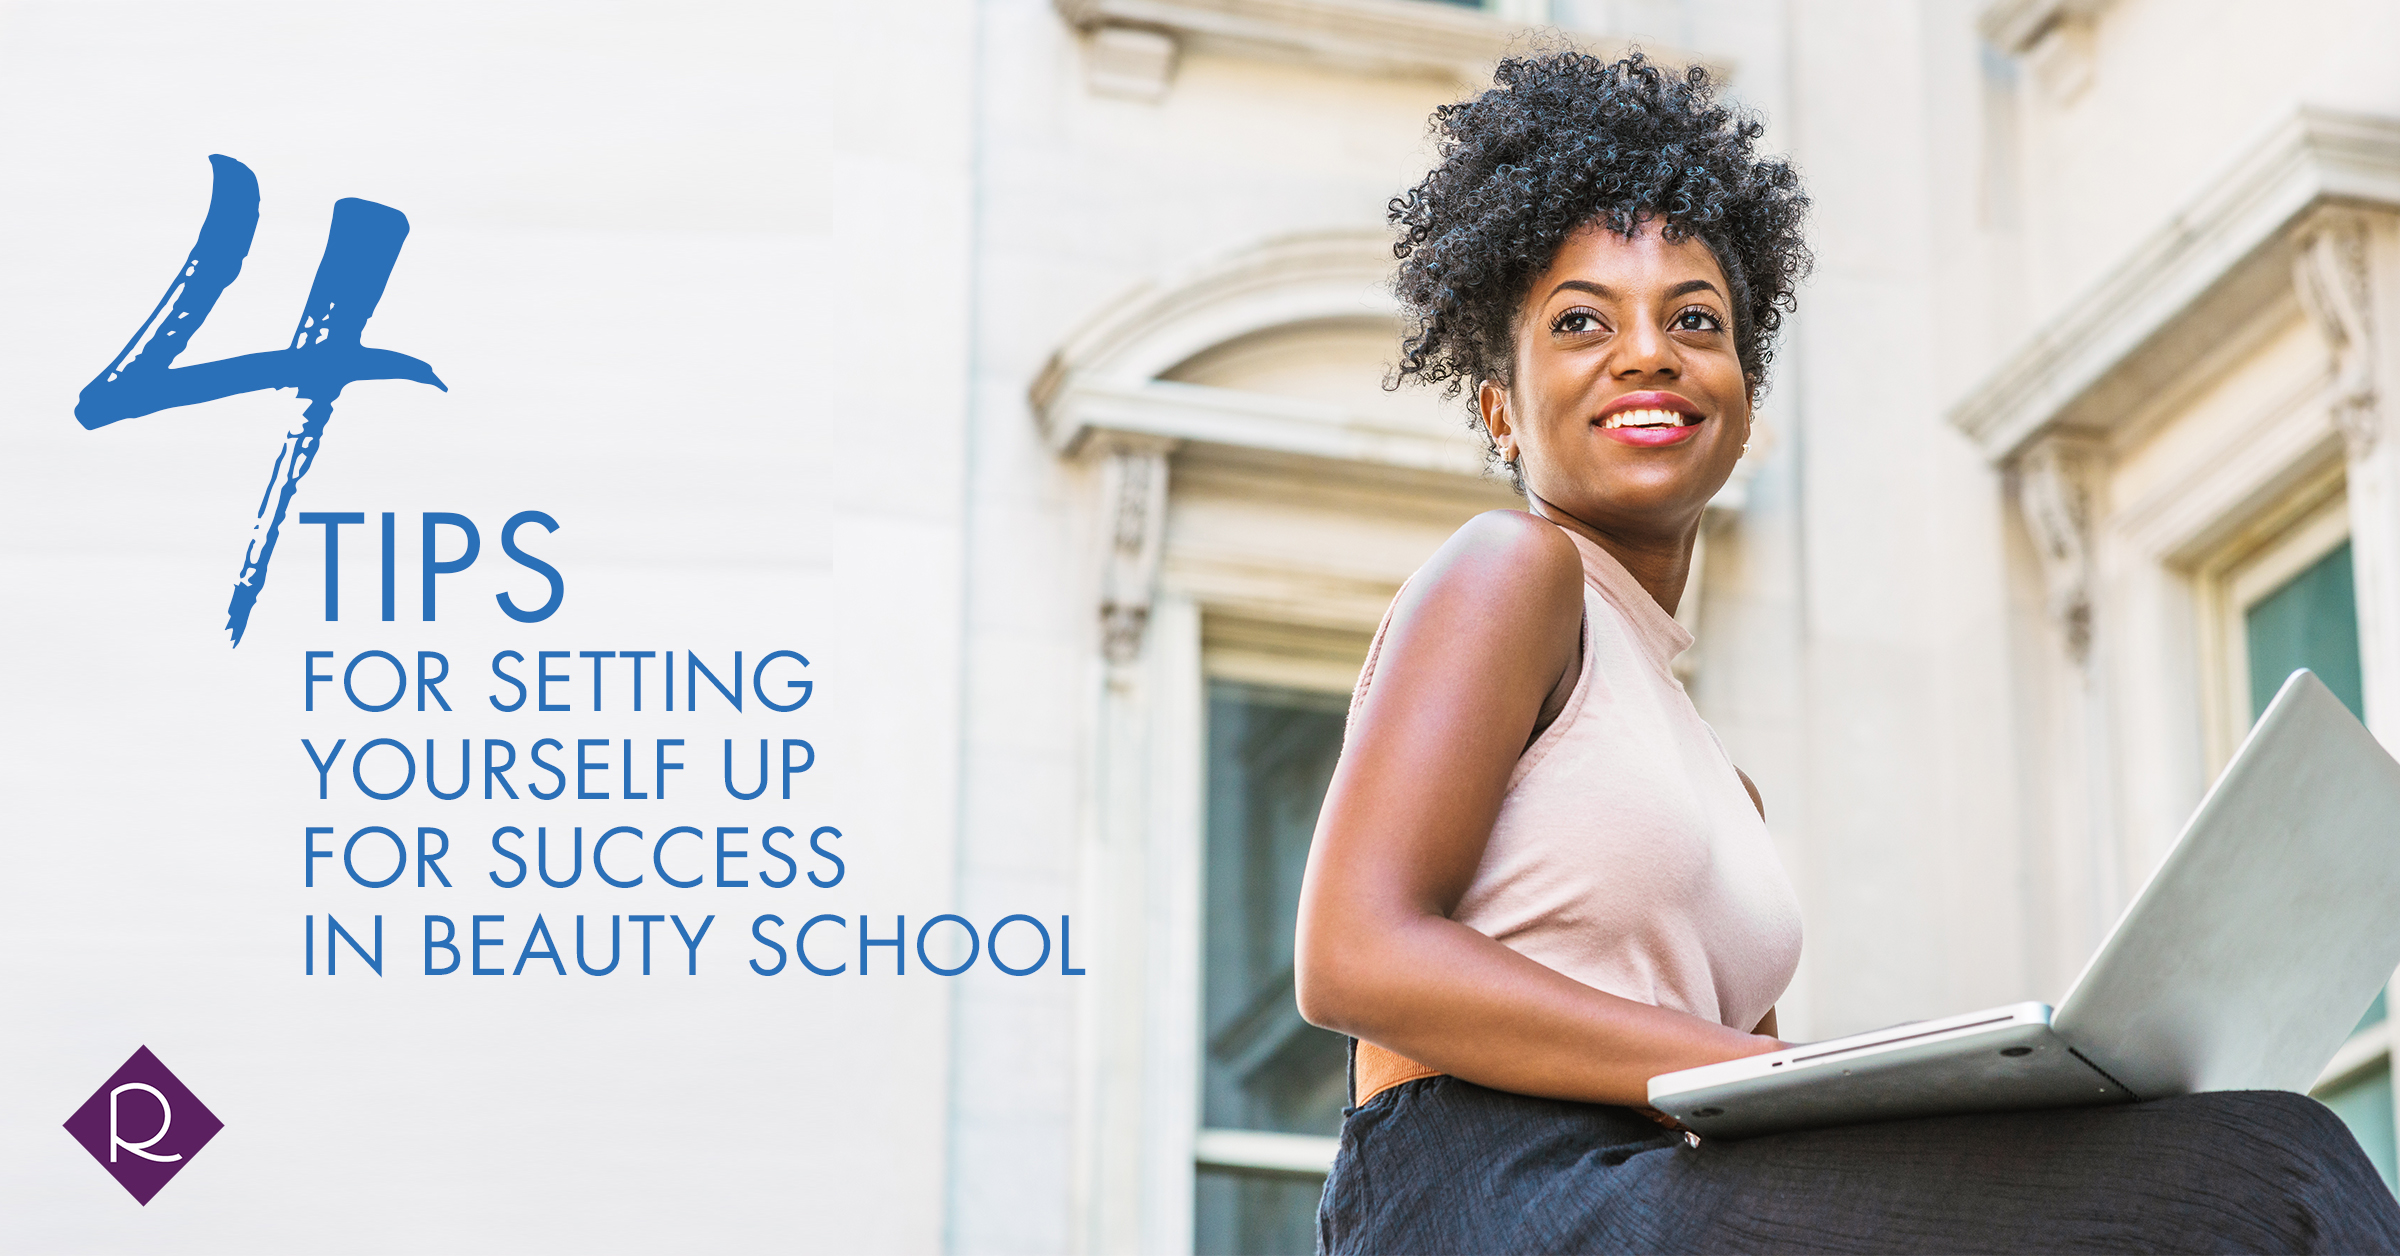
1562 140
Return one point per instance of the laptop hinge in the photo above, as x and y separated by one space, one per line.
2087 1060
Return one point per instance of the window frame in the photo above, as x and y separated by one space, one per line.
2310 523
1253 657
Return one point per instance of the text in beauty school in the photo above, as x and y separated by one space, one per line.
691 821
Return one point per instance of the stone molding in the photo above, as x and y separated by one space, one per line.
1130 62
1379 36
2329 271
1133 530
1100 395
2015 26
2054 493
2194 282
2053 38
1105 377
1384 35
1282 425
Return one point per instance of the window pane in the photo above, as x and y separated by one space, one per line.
2365 1105
1245 1213
1270 755
2311 622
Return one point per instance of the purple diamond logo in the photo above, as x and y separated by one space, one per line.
143 1125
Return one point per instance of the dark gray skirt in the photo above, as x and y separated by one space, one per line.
1441 1165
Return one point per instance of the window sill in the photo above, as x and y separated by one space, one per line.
1264 1151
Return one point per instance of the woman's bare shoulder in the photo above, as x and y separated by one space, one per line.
1502 571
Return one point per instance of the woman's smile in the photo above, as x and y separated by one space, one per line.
1650 419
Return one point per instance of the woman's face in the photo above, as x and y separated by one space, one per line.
1628 409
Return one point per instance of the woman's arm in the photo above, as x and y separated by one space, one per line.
1479 641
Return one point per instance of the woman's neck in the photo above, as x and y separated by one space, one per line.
1660 563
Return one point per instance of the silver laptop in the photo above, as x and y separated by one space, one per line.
2242 965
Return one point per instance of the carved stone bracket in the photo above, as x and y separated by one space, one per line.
2054 495
2330 273
1133 500
1130 62
2054 38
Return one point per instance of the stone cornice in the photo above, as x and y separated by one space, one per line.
2193 283
1388 36
1303 278
1281 425
1105 378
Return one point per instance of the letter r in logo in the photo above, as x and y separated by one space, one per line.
166 1118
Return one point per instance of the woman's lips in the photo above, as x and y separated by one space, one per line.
1651 437
1648 426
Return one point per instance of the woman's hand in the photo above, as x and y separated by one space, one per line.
1480 644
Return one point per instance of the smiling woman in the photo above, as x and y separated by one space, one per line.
1538 880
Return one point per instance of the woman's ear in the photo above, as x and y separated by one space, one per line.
1492 399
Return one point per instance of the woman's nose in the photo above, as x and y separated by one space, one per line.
1645 350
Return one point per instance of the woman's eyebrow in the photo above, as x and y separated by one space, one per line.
1605 293
1582 285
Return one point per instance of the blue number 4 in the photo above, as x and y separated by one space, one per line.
324 357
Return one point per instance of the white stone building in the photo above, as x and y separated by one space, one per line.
2089 376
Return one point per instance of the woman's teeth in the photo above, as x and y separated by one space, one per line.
1647 418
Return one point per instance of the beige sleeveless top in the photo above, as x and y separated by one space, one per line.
1627 855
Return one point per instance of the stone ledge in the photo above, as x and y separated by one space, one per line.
2189 287
1381 36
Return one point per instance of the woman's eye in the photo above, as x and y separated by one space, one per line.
1575 323
1697 319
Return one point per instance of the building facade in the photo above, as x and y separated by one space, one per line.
2073 450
